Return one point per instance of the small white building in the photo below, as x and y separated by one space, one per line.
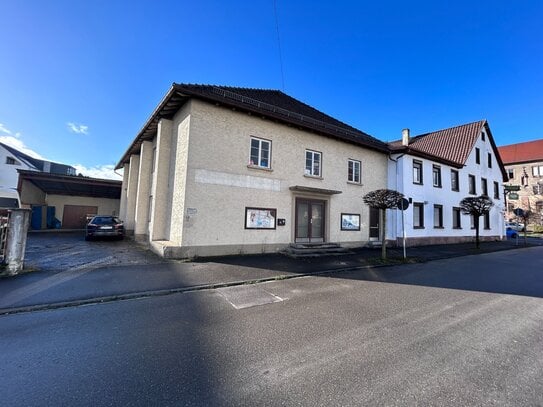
12 160
219 170
435 171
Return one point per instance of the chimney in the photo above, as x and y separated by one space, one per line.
405 137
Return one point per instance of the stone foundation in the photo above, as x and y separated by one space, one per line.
435 240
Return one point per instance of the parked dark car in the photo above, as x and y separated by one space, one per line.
104 226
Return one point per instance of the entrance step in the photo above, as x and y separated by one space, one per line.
299 250
374 243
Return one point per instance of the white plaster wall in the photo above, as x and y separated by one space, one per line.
446 197
219 185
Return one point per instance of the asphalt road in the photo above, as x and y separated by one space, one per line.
335 340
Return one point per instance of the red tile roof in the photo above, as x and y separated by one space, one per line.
522 152
452 145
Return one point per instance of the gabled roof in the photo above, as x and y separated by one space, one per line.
269 103
522 152
450 146
38 164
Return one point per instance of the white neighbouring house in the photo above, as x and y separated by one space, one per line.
435 171
12 160
219 170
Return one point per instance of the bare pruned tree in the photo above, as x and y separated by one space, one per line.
383 199
476 206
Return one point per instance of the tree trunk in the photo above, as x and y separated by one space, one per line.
383 234
476 221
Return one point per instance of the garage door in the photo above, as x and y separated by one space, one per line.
75 216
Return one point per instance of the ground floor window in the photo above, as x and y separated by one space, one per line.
457 218
418 215
486 220
438 216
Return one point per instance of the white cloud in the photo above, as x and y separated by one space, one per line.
77 128
17 143
4 129
98 171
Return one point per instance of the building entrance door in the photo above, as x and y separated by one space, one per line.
374 224
310 221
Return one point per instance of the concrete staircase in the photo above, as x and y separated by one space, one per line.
299 250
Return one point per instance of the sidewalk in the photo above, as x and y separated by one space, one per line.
93 283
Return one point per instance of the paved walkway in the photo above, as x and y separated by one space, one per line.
97 280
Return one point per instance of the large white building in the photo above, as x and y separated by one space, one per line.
435 171
220 170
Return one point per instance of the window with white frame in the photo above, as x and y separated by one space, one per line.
496 190
457 218
436 176
417 172
472 189
438 216
260 153
354 171
477 155
418 215
484 186
537 170
455 185
486 220
313 163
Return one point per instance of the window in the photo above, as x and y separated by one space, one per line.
483 136
260 153
312 163
472 221
496 190
457 218
354 171
472 189
417 172
436 175
510 173
538 189
418 215
537 170
486 220
454 181
489 160
10 160
70 171
438 216
484 187
539 207
477 156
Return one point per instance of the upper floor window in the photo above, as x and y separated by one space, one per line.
313 163
483 136
510 173
477 155
484 187
417 172
489 160
472 189
70 171
496 190
537 170
354 171
10 161
260 153
538 189
436 176
455 186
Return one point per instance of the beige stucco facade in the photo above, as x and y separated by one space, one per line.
529 178
198 197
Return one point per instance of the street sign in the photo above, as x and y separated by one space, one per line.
403 204
518 212
513 196
511 188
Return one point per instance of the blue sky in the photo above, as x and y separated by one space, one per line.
78 79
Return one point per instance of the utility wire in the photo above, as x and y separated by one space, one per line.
279 45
